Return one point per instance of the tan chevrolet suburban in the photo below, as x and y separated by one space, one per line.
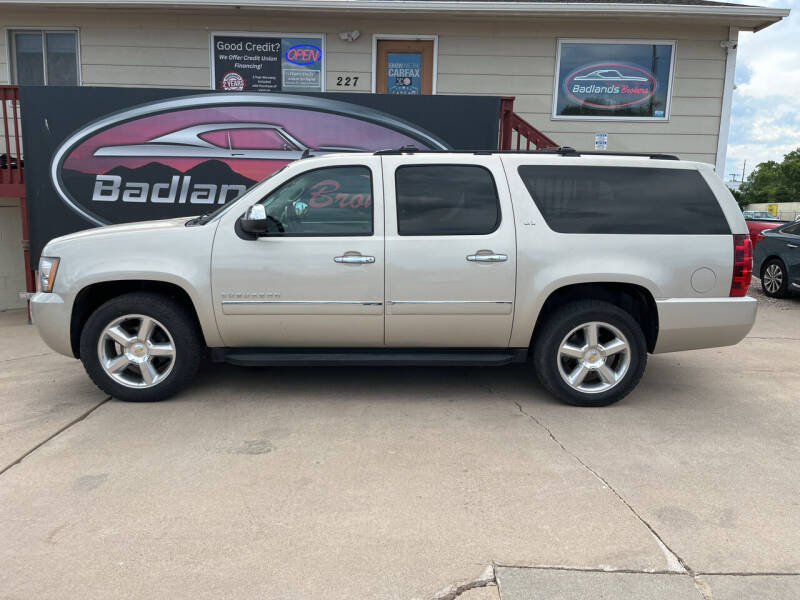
578 263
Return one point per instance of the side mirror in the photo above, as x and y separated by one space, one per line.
254 220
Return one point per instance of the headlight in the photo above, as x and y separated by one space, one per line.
48 267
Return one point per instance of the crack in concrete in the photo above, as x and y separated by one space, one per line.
54 435
5 360
592 569
749 573
485 579
674 562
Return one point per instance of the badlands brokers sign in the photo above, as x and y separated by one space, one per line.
99 156
610 85
613 80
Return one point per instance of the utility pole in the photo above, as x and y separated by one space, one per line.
743 168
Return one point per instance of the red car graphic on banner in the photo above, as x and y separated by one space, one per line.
206 149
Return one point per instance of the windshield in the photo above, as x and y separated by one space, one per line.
209 216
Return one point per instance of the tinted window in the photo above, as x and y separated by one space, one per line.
329 201
792 229
577 199
446 200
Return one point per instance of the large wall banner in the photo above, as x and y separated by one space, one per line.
267 63
613 80
100 156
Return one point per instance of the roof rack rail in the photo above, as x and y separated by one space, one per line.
561 150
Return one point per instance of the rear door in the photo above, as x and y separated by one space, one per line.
450 252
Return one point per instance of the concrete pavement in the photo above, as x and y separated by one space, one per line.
404 483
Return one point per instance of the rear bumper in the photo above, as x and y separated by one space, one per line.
691 323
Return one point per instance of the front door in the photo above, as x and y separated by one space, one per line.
450 252
316 278
404 67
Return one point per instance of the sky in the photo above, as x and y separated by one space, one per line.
765 121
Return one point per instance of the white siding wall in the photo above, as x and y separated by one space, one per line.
476 56
12 269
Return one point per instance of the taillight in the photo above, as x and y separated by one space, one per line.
742 264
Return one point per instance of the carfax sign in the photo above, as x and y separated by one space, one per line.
607 80
404 73
101 156
266 63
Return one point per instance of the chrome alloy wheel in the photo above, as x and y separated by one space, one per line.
594 357
773 278
136 351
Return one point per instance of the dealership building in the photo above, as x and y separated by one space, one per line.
633 76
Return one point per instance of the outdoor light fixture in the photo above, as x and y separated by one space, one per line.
349 36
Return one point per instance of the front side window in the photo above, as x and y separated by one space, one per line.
618 80
446 200
332 201
620 200
44 57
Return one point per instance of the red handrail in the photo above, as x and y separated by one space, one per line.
12 174
527 134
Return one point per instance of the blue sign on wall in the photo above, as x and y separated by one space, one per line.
404 73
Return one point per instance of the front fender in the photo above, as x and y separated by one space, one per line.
180 256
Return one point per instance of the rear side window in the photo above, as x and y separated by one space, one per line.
792 229
446 200
577 199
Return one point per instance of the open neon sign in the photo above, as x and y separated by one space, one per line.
303 54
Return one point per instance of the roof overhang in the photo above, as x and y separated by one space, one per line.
744 17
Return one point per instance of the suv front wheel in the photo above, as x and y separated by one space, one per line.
589 353
141 347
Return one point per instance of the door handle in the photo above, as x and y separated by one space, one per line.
354 259
792 245
487 257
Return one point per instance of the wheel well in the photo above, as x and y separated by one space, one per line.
92 297
634 299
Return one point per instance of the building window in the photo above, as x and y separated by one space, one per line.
267 62
613 79
44 57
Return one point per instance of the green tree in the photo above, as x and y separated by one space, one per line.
773 182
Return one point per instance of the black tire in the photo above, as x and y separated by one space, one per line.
551 334
779 269
171 316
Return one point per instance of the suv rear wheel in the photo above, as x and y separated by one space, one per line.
590 353
141 347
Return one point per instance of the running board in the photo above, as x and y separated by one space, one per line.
272 357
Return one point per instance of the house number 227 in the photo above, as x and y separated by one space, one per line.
346 81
